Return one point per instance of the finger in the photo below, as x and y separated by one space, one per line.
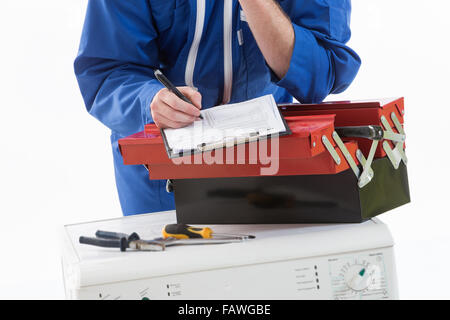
192 95
158 107
176 103
173 114
163 122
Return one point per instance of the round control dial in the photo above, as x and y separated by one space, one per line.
359 277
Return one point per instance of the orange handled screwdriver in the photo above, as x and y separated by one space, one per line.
184 231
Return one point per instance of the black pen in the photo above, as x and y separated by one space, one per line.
166 83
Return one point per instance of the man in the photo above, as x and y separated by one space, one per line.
229 50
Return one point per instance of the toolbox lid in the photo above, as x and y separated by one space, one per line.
301 152
346 104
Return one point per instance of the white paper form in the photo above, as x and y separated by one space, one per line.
256 117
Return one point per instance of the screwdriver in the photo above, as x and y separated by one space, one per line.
184 231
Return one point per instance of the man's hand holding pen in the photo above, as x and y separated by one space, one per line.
169 111
174 107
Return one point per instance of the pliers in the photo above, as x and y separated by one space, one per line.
124 241
108 239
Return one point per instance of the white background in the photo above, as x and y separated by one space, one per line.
56 163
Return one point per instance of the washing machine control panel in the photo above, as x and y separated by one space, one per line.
358 275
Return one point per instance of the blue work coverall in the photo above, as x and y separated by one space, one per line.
206 44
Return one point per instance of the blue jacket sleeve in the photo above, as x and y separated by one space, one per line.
113 66
321 63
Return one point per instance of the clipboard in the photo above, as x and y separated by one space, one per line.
227 141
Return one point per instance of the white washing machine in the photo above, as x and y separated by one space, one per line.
343 261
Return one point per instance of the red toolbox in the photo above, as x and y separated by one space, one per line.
343 162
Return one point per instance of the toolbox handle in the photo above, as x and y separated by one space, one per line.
368 132
169 186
